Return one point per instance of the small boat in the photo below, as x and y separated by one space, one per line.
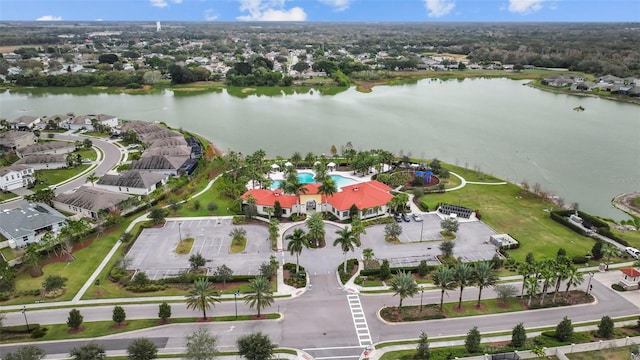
578 108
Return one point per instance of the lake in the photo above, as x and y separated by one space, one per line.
501 126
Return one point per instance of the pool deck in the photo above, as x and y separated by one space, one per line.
279 175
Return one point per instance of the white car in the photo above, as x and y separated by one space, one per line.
635 253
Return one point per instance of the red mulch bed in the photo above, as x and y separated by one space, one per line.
482 307
76 331
119 326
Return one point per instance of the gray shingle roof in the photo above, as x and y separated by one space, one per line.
7 169
91 198
132 179
45 146
24 220
183 151
42 159
172 141
156 162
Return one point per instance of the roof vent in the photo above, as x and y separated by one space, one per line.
355 189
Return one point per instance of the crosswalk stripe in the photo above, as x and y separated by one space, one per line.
359 320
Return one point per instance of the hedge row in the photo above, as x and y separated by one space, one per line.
395 270
562 216
19 329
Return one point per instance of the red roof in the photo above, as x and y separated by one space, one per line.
365 195
266 197
630 272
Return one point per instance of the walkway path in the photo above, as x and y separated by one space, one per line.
464 182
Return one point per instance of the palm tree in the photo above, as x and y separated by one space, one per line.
609 250
357 227
297 242
320 170
485 275
403 285
347 242
532 286
548 275
316 229
445 278
562 266
328 187
367 254
574 278
295 158
92 178
526 270
202 297
261 295
464 277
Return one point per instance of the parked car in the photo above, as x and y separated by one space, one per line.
398 217
406 217
635 253
417 217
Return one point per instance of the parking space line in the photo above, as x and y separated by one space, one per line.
220 247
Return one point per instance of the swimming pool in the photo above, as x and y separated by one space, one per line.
307 178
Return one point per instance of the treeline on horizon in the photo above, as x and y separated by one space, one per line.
593 48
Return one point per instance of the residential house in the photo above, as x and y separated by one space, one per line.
24 123
26 224
133 182
159 133
15 177
11 140
59 121
88 201
86 121
610 79
44 162
46 147
196 147
174 151
167 165
173 141
367 197
557 81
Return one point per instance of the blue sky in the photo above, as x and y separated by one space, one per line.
323 10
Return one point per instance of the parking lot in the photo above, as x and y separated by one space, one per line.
154 250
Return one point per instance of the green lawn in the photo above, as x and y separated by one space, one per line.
96 134
6 196
606 354
213 195
87 154
77 272
56 176
632 237
507 209
471 175
8 253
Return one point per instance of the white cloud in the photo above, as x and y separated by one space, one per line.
438 8
158 3
176 1
338 5
270 10
525 6
210 15
49 18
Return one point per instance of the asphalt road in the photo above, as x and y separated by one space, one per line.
320 321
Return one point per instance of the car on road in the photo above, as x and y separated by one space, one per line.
417 217
406 217
398 217
635 253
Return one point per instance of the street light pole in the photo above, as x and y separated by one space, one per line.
180 230
589 283
235 300
421 294
421 229
24 312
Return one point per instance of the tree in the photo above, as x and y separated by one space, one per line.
367 254
74 321
518 336
347 242
423 268
484 275
255 346
238 235
223 273
53 282
445 278
200 345
609 250
119 315
596 250
297 242
31 257
422 350
164 312
142 349
532 286
202 297
7 276
260 295
525 269
328 187
197 261
404 286
274 230
450 225
92 178
89 351
385 270
464 277
505 292
605 327
157 215
44 195
357 227
315 226
87 143
564 330
27 352
392 231
472 341
446 248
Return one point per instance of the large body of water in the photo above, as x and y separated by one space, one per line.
504 128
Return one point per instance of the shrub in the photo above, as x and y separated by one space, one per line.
423 269
472 341
579 260
605 327
211 206
38 333
384 271
53 282
564 330
19 329
617 287
518 336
